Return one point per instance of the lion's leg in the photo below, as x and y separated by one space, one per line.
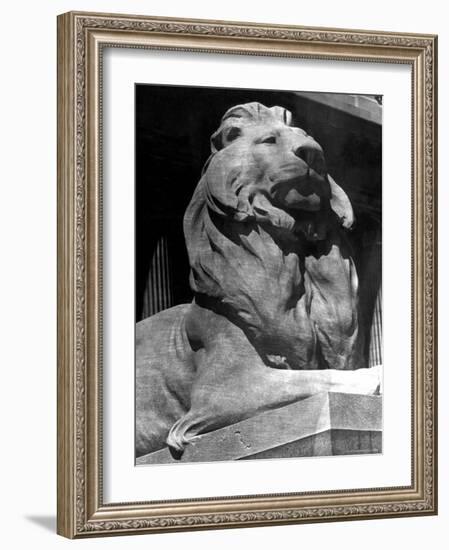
233 383
274 388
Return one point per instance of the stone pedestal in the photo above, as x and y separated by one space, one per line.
322 425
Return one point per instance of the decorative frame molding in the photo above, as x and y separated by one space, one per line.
81 37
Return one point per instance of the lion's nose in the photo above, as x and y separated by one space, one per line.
303 152
312 155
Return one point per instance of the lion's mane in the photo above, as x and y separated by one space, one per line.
296 300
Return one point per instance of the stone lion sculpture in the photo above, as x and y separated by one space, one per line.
275 312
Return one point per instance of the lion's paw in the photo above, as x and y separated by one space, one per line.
368 381
365 381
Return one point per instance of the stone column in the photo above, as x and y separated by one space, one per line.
158 293
375 347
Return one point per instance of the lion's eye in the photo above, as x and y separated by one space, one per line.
233 133
268 139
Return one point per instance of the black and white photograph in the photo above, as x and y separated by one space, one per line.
258 274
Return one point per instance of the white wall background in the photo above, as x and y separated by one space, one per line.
28 271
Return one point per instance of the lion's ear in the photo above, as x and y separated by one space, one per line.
282 114
225 135
341 204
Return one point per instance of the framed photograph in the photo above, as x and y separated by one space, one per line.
246 274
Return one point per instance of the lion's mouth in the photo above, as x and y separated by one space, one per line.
304 191
311 225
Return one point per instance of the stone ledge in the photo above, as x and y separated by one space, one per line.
322 425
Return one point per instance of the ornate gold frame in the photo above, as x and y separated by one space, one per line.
81 37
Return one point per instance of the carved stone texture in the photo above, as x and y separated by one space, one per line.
275 317
322 425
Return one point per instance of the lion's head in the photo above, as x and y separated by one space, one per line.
264 196
263 168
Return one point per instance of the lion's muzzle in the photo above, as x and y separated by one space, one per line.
299 188
300 182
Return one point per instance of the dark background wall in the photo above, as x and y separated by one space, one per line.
173 127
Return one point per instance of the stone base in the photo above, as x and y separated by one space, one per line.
323 425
